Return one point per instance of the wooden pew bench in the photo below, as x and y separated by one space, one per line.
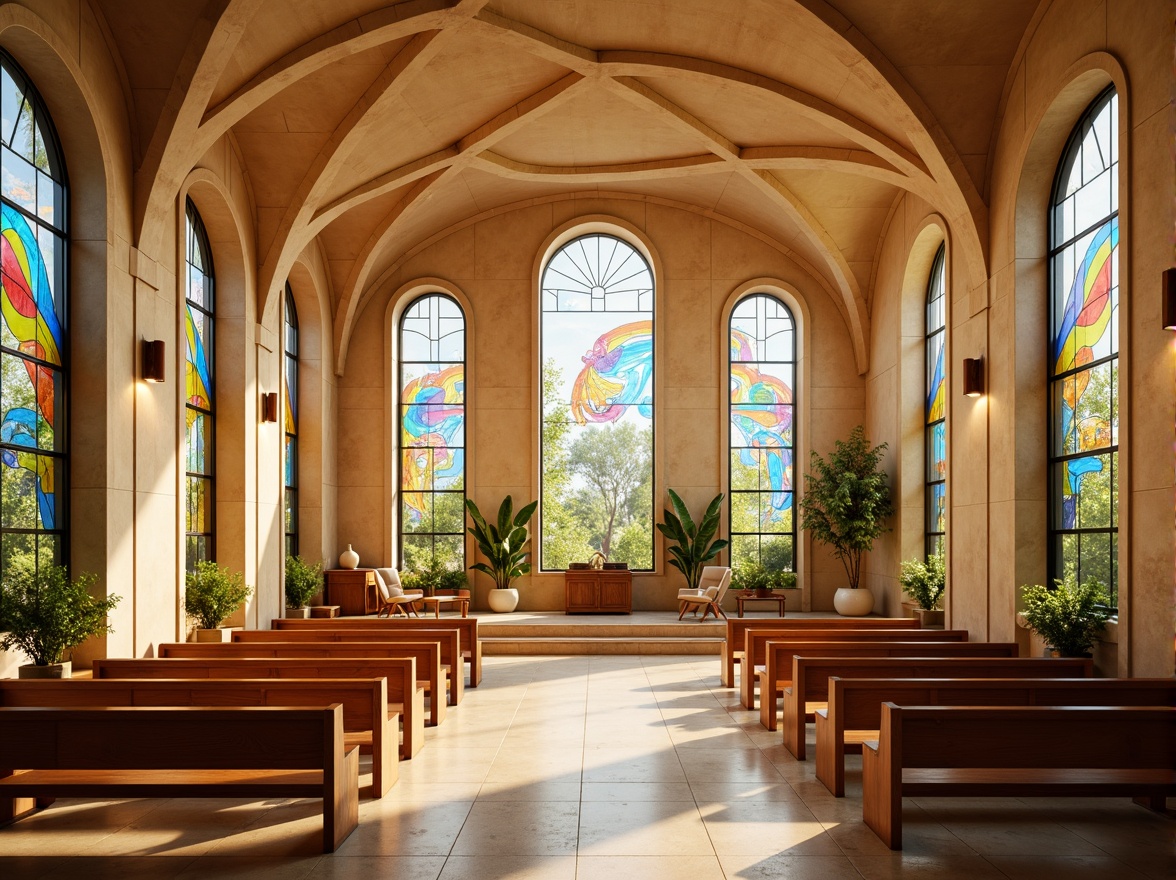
404 695
733 644
1015 751
755 655
467 628
367 722
427 655
448 639
854 710
182 752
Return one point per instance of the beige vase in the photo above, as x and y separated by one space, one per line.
348 558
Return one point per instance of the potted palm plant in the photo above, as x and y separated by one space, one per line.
925 582
502 543
45 614
846 498
303 582
1069 616
213 593
693 545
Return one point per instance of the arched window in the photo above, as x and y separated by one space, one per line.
935 417
762 407
199 400
290 424
596 352
33 348
1084 351
432 434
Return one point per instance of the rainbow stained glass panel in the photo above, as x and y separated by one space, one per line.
197 372
936 443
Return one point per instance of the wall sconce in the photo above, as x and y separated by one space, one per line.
973 376
1168 294
269 407
153 360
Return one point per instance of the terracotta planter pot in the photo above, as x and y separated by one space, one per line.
212 635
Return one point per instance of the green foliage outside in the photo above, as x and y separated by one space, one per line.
1069 615
502 542
303 581
431 579
924 582
847 496
438 539
45 614
757 576
212 593
692 546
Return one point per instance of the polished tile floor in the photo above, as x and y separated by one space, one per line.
596 768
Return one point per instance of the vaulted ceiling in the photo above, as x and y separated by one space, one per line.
372 127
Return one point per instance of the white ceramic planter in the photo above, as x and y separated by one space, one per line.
503 600
853 603
53 670
298 613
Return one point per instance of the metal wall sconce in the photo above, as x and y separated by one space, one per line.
1168 294
153 355
269 407
973 376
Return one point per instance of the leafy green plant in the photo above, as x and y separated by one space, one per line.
45 614
433 579
303 581
502 542
213 593
847 496
924 581
452 581
756 576
1069 615
694 546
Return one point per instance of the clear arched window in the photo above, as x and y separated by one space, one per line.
432 434
935 416
290 425
762 407
199 399
596 353
1084 351
33 348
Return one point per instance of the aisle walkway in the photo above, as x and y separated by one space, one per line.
597 768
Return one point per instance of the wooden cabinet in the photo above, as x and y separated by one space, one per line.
353 590
605 592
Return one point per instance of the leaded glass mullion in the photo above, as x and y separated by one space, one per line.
200 395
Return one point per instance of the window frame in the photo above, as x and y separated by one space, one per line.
934 541
197 237
290 412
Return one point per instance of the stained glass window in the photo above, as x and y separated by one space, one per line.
33 252
762 409
290 425
596 341
199 398
935 415
432 434
1084 351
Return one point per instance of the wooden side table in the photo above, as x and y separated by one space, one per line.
353 590
740 599
435 602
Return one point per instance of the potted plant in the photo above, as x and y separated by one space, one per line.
757 580
452 582
847 496
693 546
45 615
212 594
1069 615
502 543
925 582
303 582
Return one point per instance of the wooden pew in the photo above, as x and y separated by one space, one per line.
367 723
854 710
732 648
183 752
427 655
467 627
755 649
448 639
1015 751
404 695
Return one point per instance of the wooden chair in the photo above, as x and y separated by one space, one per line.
393 598
712 587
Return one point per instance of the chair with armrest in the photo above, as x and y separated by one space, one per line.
393 598
712 587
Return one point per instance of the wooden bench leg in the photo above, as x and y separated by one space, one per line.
341 802
830 758
881 799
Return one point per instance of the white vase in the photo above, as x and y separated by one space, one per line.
853 603
503 600
348 558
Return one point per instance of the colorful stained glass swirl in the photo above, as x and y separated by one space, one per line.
761 416
617 373
432 424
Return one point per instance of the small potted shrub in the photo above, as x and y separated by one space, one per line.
303 582
453 582
1069 615
925 582
754 579
213 593
45 615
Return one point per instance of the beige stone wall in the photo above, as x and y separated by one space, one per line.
700 263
